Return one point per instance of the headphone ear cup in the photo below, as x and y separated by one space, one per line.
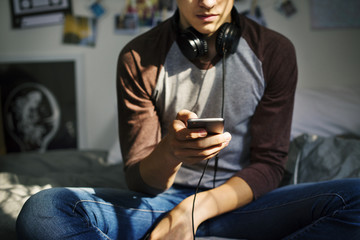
227 39
191 44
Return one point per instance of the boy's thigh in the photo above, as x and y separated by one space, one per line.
282 211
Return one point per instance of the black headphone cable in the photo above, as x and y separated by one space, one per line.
217 155
222 111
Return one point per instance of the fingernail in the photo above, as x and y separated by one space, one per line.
202 133
227 136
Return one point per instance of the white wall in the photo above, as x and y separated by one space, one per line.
99 63
324 56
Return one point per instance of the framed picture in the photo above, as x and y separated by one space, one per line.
42 103
32 13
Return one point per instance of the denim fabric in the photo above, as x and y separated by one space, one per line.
325 210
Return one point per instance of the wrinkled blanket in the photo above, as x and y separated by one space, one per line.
24 174
313 159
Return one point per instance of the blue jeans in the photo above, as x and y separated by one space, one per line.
326 210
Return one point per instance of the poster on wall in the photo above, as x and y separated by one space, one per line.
143 14
327 14
80 30
126 23
39 105
33 13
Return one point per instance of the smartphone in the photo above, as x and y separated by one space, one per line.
211 125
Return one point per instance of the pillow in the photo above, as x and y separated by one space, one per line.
329 111
114 155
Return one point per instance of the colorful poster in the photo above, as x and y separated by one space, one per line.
79 30
142 13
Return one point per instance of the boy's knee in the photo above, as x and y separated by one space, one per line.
36 215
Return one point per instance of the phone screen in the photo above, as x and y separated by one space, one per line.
211 125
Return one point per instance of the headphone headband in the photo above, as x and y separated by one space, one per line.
193 45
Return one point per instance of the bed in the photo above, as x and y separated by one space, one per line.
23 174
325 144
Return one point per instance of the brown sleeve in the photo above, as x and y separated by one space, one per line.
138 67
271 122
139 129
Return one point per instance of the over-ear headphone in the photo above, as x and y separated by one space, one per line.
193 45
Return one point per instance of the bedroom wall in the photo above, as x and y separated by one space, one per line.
324 56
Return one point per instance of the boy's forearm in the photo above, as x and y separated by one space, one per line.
231 195
155 173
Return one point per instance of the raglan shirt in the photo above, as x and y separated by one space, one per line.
155 81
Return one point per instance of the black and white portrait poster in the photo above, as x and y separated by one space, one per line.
38 102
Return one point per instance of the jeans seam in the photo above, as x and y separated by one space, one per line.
287 203
101 232
109 204
314 224
307 228
87 222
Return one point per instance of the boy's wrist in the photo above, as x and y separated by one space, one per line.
201 210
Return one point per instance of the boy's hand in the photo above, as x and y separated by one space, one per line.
176 225
193 145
